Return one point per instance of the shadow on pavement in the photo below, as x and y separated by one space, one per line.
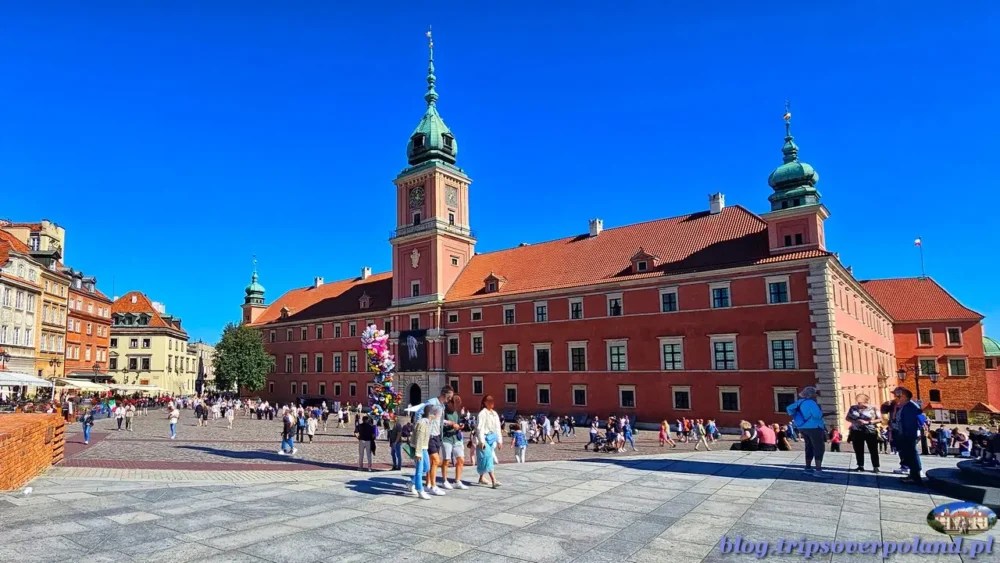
268 456
396 486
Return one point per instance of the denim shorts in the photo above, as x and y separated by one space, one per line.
434 445
451 451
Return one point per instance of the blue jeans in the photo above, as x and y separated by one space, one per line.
86 432
173 429
420 469
397 454
288 444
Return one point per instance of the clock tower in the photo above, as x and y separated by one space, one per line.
432 242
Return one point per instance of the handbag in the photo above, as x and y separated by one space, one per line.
408 450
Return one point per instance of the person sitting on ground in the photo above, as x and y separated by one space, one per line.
767 437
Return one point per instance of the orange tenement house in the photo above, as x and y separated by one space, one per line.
88 327
720 313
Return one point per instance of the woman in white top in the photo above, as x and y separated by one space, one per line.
489 438
172 416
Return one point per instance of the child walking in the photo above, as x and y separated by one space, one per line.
520 444
311 427
665 435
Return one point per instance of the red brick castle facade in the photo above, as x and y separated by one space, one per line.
719 313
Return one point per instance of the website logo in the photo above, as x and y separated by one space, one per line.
961 518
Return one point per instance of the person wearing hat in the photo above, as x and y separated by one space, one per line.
808 419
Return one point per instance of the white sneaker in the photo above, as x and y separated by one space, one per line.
294 451
460 485
447 485
413 489
424 495
281 452
437 491
901 471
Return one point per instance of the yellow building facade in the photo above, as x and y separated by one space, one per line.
149 347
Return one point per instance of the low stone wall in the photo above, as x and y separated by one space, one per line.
29 443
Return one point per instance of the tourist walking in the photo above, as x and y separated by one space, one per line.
129 417
808 419
230 415
365 433
395 437
88 422
311 425
452 446
172 415
287 432
420 440
489 439
120 416
906 431
863 418
520 442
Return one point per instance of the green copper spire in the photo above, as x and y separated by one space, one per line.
431 140
254 291
794 182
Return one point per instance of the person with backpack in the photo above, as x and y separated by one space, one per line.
287 432
88 422
808 419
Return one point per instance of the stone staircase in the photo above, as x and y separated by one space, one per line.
969 481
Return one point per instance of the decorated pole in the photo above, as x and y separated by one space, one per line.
383 398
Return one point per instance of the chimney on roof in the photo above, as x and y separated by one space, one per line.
523 244
716 202
850 270
596 226
317 281
160 307
366 272
134 299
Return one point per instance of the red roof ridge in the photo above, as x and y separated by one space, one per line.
14 242
143 304
902 305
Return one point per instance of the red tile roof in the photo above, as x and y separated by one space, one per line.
917 299
14 242
699 241
332 299
143 304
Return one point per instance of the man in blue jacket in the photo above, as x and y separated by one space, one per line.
906 427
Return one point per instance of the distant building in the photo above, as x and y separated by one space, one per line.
20 297
934 331
149 347
88 329
719 313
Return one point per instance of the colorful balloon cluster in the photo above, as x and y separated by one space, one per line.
383 398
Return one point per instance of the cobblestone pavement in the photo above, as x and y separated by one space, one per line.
666 507
253 444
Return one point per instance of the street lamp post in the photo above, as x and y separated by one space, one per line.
54 363
97 369
933 376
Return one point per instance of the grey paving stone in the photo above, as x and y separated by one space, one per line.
302 546
532 547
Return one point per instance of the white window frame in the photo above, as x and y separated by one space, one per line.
569 355
713 338
458 345
711 294
731 389
930 332
964 359
677 340
538 393
534 354
947 336
412 317
779 390
503 357
472 343
767 290
634 395
295 388
792 335
478 380
334 363
608 344
452 316
414 285
586 395
609 298
534 309
304 388
569 310
673 397
318 356
507 387
350 356
677 299
454 382
474 312
306 358
513 310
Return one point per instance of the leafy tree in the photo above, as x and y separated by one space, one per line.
240 359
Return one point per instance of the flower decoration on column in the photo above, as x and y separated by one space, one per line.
383 398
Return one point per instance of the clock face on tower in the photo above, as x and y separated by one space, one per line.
416 196
452 196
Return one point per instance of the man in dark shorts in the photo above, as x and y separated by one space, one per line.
434 445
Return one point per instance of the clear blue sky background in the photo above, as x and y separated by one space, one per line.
174 140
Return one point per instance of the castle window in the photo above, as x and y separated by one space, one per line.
641 266
449 141
418 141
491 287
451 219
416 218
798 238
414 289
796 202
936 395
615 305
454 260
788 240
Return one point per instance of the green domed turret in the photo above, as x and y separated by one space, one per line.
254 291
794 182
991 347
431 140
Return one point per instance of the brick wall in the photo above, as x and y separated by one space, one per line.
29 443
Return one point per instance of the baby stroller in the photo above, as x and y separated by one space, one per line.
603 445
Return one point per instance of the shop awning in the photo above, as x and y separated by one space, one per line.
82 384
134 388
12 378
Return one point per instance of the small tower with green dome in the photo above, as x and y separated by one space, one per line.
431 140
795 222
253 302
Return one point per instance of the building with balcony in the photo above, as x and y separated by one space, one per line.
149 347
719 313
20 297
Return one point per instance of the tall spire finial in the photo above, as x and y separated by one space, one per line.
431 96
254 262
788 118
790 150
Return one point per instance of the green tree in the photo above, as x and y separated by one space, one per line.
240 359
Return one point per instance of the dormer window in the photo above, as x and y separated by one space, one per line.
418 141
643 261
365 301
449 141
494 282
284 312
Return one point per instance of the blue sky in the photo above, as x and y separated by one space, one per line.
174 140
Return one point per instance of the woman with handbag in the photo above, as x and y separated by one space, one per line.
863 419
